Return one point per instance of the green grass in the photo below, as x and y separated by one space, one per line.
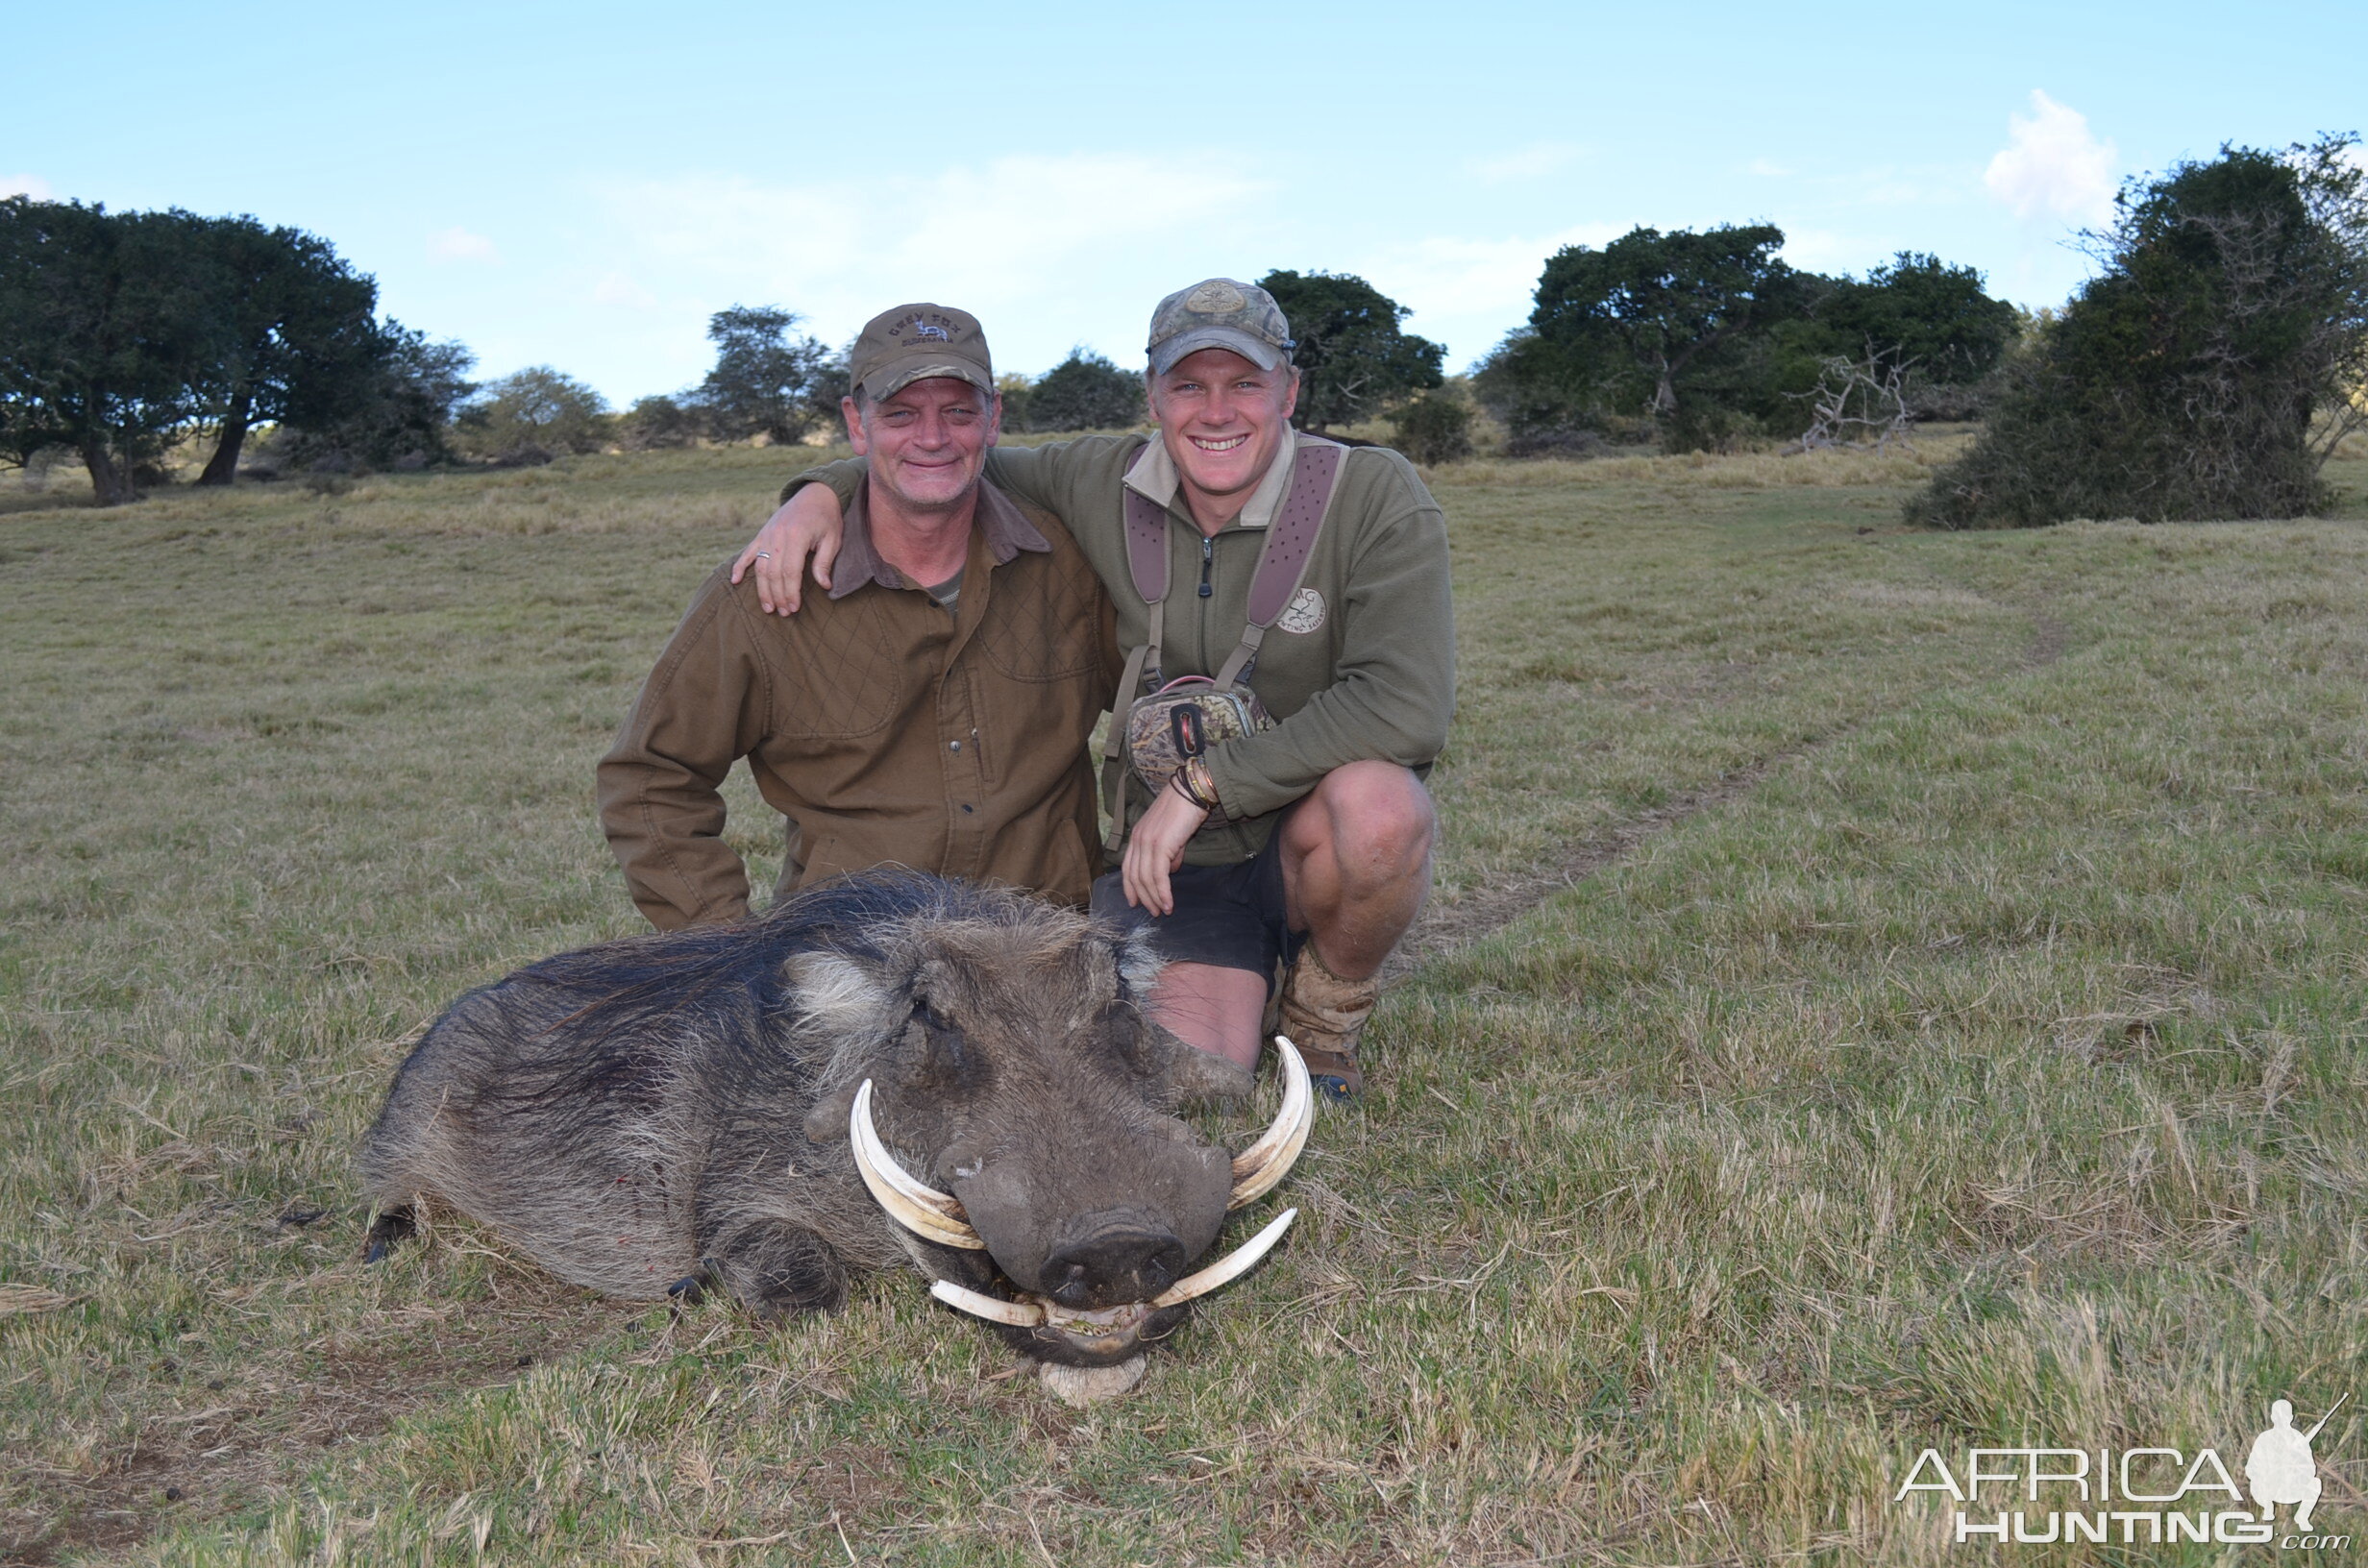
1931 1013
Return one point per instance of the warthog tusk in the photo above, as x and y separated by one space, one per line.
1019 1314
922 1209
1230 1267
1257 1169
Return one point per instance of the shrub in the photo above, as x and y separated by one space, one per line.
1436 428
2204 374
1085 392
533 412
657 423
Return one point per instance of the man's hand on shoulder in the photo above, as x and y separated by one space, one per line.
807 524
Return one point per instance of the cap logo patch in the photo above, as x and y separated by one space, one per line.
931 332
1215 298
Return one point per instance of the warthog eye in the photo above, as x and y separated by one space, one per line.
948 1060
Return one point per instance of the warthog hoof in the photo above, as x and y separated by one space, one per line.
391 1226
1090 1385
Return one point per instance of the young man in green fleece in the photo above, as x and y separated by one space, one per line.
1316 852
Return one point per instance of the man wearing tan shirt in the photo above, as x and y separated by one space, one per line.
933 711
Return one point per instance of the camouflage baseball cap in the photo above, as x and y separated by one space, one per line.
915 341
1220 313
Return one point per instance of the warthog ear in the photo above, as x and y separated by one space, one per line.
838 993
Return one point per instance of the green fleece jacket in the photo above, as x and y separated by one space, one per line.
1361 665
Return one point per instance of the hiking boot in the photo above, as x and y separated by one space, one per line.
1322 1015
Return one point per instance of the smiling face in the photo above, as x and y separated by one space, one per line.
1223 421
927 441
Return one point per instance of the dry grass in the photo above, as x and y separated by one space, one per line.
1964 1045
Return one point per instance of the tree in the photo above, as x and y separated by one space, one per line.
402 418
532 414
1920 311
767 380
1632 321
104 335
1085 392
1436 428
293 334
657 423
2206 372
1353 356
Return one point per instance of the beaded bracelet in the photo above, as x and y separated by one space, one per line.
1193 782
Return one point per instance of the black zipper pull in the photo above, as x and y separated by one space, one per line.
1208 547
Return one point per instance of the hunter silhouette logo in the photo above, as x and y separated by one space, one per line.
2134 1496
2281 1468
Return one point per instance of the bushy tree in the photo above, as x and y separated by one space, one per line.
1920 311
1436 428
536 412
1018 395
1085 392
1637 322
657 422
403 417
294 334
768 380
1694 339
104 336
2205 373
1354 357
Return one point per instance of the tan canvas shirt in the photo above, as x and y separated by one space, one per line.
884 728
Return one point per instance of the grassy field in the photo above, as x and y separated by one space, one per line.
1887 990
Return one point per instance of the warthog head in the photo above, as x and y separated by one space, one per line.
1006 1103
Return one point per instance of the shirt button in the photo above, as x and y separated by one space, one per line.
954 745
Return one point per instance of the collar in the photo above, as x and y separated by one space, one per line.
1153 475
999 522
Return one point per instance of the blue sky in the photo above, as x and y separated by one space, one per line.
582 185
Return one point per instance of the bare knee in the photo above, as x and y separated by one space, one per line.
1374 816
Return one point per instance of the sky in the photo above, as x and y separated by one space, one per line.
582 185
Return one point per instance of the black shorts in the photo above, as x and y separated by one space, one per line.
1231 916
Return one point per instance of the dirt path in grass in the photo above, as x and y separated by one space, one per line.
1444 928
208 1447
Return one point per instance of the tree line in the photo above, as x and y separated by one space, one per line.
2209 368
121 331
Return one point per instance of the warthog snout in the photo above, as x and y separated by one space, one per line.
1108 1259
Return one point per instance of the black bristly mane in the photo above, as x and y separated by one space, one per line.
728 979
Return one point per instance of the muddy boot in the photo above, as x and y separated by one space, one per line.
1322 1015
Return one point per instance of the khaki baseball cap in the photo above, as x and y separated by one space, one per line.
1220 313
914 342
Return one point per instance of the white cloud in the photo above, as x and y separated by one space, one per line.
1534 161
24 185
2053 166
1063 249
458 244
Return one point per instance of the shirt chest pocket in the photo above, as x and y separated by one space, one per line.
856 676
1043 620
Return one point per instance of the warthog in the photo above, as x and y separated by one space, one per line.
718 1107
